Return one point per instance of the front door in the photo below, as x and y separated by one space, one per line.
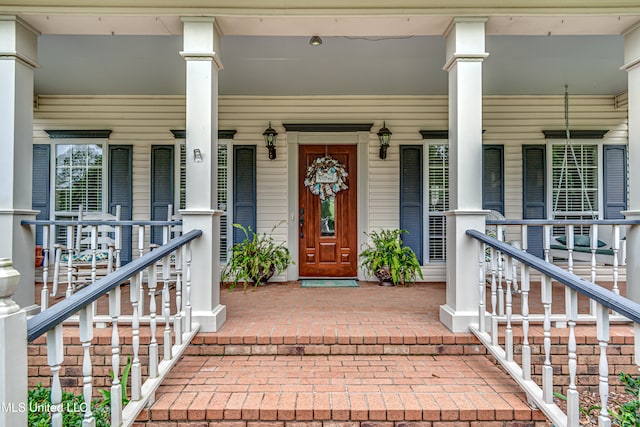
328 229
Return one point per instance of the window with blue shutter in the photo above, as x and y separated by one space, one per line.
40 199
615 181
411 195
162 179
493 178
534 191
120 191
244 189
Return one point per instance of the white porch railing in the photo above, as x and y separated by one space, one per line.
496 331
594 250
174 310
92 250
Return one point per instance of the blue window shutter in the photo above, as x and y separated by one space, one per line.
411 193
615 181
493 178
40 191
244 189
534 190
162 179
120 191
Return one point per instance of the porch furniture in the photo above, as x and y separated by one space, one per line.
91 251
582 250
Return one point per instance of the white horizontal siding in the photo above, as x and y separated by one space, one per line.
143 121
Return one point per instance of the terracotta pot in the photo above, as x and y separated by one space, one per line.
39 256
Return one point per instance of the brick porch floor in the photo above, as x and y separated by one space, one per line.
355 356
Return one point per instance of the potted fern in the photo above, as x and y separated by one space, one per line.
389 260
255 259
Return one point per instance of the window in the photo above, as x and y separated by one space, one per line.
438 202
78 178
223 196
574 169
223 191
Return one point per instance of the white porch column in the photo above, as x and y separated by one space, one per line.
465 53
202 55
18 54
632 66
13 350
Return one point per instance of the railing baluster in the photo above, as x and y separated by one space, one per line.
153 344
116 387
570 242
594 246
500 277
547 369
546 236
166 305
140 254
616 265
55 357
187 309
136 371
86 335
494 296
573 411
94 260
526 349
94 252
482 286
602 333
44 293
118 237
56 269
70 254
514 271
508 334
177 322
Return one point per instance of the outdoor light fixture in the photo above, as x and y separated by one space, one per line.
315 41
197 155
384 135
270 136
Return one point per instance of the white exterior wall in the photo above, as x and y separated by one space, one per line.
143 121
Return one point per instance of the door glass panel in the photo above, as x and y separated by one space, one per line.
328 217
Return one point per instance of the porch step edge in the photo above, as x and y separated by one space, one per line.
334 349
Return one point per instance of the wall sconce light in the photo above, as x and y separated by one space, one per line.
315 41
270 136
197 155
384 135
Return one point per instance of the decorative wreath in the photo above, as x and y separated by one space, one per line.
326 177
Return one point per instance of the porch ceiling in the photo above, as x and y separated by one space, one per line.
361 55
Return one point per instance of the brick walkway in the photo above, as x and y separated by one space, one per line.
369 355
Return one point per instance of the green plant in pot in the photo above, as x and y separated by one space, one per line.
388 259
255 259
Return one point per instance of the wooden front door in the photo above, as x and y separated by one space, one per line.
328 228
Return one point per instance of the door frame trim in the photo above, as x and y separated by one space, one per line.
294 140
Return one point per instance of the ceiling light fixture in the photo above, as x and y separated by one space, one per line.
315 41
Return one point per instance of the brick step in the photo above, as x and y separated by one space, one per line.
364 390
205 344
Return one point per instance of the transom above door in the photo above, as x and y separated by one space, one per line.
328 211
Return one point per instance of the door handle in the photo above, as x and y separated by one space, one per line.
301 222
